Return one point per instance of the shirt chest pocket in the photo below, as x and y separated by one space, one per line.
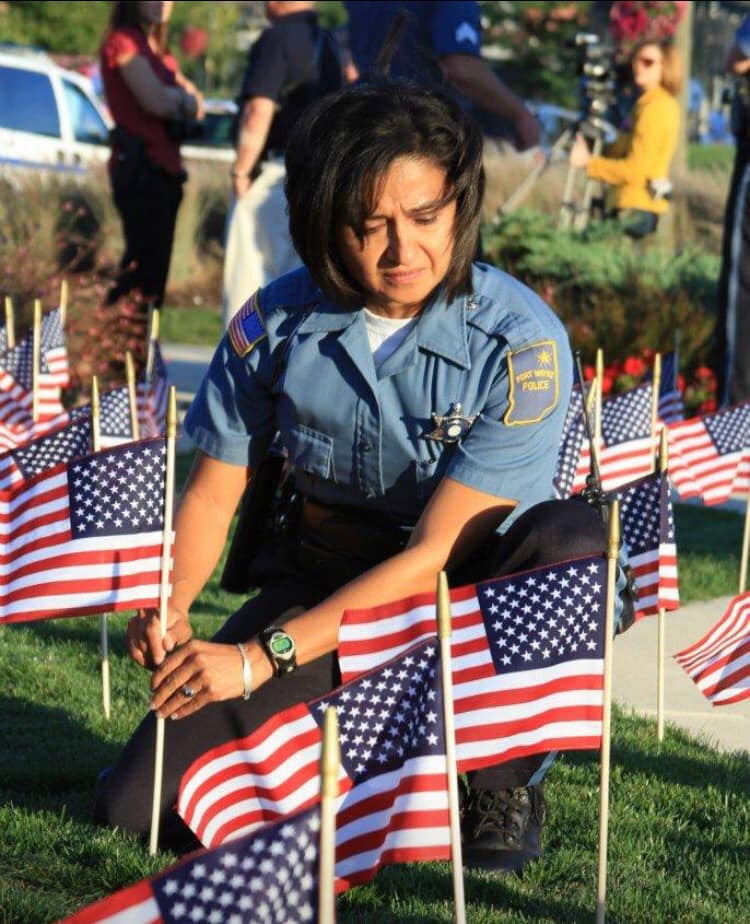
311 451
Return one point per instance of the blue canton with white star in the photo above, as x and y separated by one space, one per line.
646 514
627 416
547 616
390 715
268 877
118 491
63 445
730 429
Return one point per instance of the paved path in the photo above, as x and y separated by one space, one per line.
634 680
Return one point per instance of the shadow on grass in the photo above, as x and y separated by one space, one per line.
81 631
46 752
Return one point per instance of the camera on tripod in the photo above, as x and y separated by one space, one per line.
596 67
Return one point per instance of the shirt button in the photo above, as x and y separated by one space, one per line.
365 445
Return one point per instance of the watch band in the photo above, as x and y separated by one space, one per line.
280 650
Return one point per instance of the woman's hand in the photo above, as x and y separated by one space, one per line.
579 153
143 637
196 674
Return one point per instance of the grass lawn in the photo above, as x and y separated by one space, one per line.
680 813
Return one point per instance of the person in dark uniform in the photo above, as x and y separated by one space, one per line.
293 62
442 41
420 397
732 336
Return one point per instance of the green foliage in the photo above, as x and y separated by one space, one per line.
218 71
332 13
73 27
610 292
718 157
533 36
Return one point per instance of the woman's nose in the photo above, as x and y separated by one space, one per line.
400 244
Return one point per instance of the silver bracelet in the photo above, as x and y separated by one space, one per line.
247 672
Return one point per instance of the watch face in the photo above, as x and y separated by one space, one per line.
281 645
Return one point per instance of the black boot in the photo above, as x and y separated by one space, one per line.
502 829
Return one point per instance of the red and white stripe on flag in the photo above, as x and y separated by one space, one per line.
719 664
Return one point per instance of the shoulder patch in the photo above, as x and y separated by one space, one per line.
246 327
534 380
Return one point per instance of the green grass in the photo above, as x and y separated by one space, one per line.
202 326
680 813
710 156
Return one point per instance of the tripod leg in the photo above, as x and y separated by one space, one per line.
568 208
582 217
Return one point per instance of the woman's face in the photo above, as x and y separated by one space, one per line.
153 12
648 65
408 239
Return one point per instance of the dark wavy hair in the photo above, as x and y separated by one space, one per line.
337 158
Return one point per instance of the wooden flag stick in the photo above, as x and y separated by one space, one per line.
36 359
444 634
613 545
655 389
330 762
598 404
153 336
745 547
132 396
96 445
166 562
10 323
63 302
661 615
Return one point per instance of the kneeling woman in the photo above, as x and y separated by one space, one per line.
394 370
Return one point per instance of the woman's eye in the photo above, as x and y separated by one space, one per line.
371 229
426 220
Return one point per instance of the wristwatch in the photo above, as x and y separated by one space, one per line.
280 648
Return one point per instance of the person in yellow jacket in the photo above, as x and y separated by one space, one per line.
638 162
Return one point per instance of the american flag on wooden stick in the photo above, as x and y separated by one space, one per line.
670 404
393 782
269 877
709 457
647 521
16 373
573 458
527 654
152 397
36 456
84 536
627 443
719 664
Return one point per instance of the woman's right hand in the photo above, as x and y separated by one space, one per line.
579 153
144 639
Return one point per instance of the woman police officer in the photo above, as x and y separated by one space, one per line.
420 397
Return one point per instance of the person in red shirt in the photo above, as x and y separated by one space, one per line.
152 105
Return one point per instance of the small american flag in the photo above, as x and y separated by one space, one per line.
44 452
627 444
152 397
670 406
393 782
574 456
84 536
709 456
527 653
719 664
16 377
647 522
268 877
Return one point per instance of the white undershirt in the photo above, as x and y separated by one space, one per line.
386 334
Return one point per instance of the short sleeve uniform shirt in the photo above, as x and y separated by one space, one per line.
433 29
294 364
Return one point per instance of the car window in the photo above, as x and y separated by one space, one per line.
88 125
27 102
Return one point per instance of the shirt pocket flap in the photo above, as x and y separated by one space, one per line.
311 451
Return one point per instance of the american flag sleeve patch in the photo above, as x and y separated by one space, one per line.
246 327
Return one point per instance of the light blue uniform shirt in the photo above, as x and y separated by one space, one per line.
358 436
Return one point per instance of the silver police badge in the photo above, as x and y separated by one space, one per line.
451 427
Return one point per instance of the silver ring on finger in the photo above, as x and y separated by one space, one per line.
188 692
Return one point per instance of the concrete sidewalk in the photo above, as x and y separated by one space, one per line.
634 680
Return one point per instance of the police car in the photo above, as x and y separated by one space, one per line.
50 118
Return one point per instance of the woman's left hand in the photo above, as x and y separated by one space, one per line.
210 671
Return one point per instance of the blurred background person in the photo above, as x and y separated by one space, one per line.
292 63
441 42
154 107
732 336
638 162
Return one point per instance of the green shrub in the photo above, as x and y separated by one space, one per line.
611 292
